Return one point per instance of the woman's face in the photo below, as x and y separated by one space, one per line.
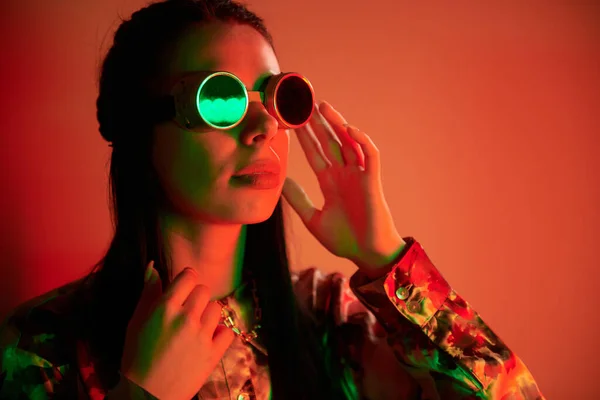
195 168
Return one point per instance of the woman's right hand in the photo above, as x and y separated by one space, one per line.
174 340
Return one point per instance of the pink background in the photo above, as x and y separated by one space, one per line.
486 117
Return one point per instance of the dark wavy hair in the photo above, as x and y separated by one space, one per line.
303 362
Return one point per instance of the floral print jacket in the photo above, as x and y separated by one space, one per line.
418 340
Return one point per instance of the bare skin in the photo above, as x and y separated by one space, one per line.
204 223
173 340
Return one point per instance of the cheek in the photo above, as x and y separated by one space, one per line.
281 145
182 165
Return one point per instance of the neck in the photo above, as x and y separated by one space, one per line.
214 251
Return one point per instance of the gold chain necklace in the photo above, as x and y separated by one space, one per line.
227 317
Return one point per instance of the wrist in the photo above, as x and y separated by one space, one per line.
381 262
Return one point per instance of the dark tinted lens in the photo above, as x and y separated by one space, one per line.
294 100
222 101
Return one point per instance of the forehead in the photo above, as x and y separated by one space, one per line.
235 48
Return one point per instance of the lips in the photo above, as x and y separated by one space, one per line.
262 166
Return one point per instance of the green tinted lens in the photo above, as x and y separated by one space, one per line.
222 101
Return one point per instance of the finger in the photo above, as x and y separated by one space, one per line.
299 201
372 156
351 150
151 291
312 149
211 316
196 302
181 287
222 339
332 147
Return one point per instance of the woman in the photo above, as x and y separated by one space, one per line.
235 323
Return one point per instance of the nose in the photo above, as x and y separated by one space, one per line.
260 125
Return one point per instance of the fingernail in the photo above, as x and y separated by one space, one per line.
148 272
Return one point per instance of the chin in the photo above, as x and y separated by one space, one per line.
254 215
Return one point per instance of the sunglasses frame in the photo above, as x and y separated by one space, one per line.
185 99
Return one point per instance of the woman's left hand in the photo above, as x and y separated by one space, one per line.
355 221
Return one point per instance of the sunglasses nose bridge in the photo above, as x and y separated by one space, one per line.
260 109
257 113
255 96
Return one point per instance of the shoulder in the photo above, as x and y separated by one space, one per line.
42 327
37 344
314 289
48 313
329 296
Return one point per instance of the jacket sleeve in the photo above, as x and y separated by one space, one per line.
27 372
24 372
418 338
